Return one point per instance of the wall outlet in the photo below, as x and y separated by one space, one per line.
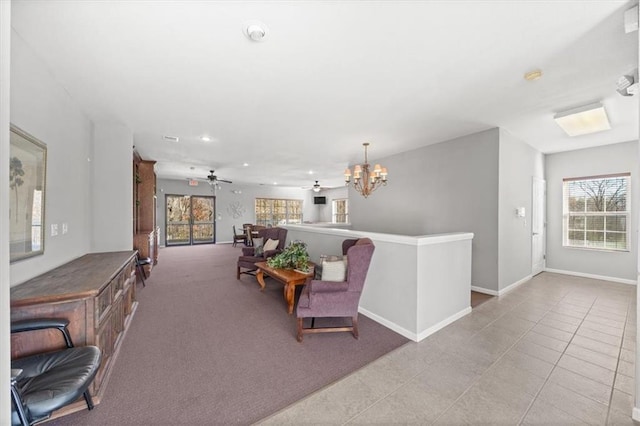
65 228
54 229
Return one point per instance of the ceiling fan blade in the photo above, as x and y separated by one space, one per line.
223 180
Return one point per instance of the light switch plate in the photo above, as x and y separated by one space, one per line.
54 229
65 228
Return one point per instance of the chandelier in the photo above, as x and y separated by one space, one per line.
366 181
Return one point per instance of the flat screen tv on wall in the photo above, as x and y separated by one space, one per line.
319 200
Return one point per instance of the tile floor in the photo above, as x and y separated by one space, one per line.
556 350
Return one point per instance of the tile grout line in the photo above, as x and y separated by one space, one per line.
546 380
563 353
496 361
414 376
382 398
615 376
510 348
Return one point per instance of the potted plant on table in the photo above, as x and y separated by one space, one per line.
294 256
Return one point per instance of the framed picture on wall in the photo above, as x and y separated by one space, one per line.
27 177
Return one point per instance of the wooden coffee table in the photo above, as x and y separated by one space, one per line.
288 277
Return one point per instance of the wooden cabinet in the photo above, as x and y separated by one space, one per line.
145 230
96 293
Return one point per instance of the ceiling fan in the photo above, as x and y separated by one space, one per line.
316 187
213 179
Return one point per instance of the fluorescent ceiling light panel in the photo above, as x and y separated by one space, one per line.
587 119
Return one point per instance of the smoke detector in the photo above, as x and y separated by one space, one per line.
255 30
533 75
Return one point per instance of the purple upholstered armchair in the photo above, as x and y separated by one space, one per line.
249 259
337 299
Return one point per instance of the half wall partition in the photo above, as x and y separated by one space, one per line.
416 285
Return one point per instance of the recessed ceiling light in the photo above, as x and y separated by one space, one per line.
246 164
583 120
205 139
533 75
275 183
310 172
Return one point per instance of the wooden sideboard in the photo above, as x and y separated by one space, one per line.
96 293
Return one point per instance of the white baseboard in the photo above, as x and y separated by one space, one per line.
410 334
510 287
442 324
484 290
504 290
635 414
595 277
390 325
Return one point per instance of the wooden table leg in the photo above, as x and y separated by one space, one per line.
289 292
260 278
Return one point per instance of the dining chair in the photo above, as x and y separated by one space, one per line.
239 238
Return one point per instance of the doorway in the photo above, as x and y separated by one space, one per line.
190 219
538 261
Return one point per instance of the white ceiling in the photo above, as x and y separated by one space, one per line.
331 75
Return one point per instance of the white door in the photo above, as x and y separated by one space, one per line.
538 225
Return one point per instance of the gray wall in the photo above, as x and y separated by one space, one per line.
324 212
225 197
519 163
112 186
617 158
41 107
5 341
446 187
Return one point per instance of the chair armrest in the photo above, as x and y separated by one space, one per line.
42 324
328 286
248 251
270 253
15 373
38 324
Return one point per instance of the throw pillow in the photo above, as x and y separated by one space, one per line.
334 268
271 244
258 247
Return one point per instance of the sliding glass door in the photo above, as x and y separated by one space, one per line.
202 223
190 219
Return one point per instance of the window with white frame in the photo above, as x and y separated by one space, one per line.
274 211
340 208
597 212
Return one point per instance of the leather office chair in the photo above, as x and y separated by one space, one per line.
249 259
337 299
43 383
